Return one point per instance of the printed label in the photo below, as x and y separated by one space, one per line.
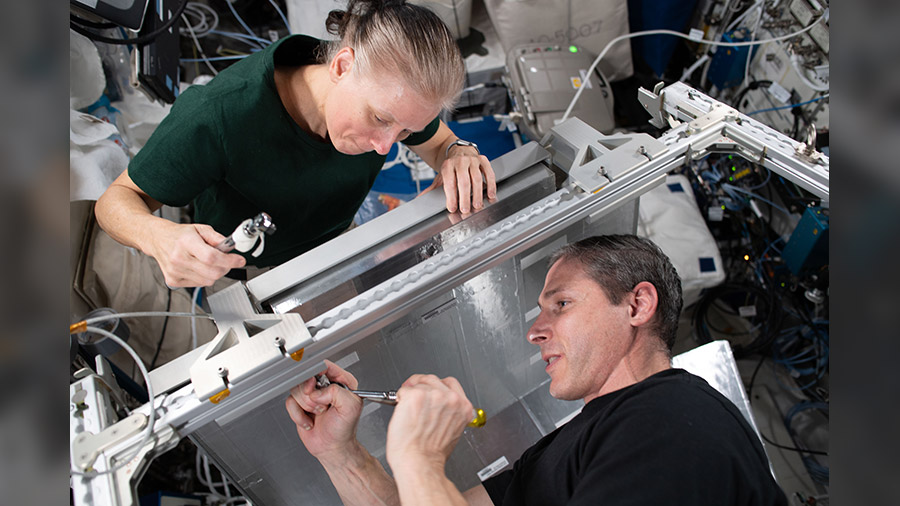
695 34
493 468
572 33
747 311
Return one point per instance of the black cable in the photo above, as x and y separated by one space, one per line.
773 443
162 336
753 377
770 320
796 128
143 39
751 86
792 448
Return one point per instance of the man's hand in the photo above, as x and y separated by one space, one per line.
429 419
187 254
464 175
326 419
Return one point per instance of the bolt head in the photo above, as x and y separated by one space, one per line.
222 371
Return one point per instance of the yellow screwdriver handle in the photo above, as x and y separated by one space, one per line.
479 418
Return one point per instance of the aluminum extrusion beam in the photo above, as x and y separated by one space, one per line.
710 126
359 239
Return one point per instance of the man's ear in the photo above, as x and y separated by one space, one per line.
643 300
341 64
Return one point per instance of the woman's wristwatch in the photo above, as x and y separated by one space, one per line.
460 142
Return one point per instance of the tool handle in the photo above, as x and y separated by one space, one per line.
478 419
226 246
246 235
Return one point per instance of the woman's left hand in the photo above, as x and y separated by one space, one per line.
465 174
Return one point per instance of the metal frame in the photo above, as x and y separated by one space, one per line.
605 172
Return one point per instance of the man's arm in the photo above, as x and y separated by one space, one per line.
427 423
186 254
360 480
463 172
326 422
478 496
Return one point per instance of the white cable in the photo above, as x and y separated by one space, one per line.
705 72
593 66
795 62
114 316
213 492
212 13
201 26
286 24
203 12
148 431
742 16
693 68
199 470
197 44
209 482
749 50
194 296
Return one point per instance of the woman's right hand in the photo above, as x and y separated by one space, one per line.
326 418
187 254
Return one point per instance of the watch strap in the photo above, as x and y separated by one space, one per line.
460 142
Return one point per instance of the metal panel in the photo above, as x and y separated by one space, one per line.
475 332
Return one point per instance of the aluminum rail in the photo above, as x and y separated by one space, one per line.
303 267
691 113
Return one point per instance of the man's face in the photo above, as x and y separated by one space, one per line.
583 337
370 114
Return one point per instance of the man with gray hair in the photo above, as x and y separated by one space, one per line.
648 433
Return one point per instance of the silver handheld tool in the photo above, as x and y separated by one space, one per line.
382 396
390 397
246 234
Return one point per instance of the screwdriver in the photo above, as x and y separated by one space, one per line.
390 397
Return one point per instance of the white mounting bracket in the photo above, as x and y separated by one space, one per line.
247 343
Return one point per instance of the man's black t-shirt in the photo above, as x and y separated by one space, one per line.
668 440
